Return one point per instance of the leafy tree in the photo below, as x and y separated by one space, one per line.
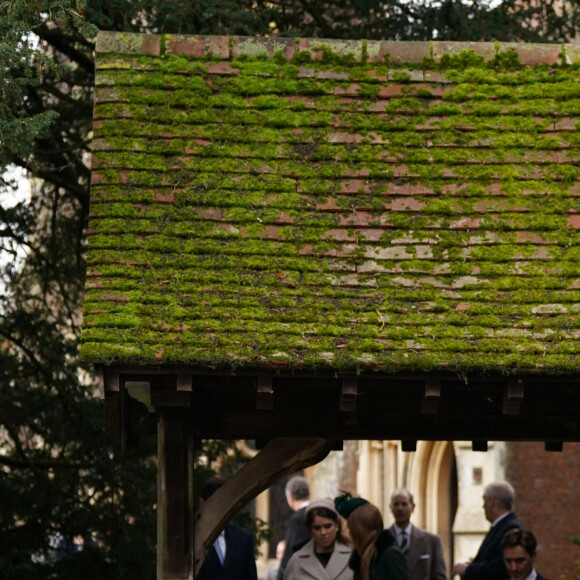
61 476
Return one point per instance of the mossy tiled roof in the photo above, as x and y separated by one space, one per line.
340 205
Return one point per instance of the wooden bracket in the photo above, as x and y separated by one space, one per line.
513 398
265 394
479 445
337 445
280 457
348 394
430 403
185 383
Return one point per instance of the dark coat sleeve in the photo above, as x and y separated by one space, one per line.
488 564
296 536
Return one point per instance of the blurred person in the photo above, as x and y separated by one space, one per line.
488 564
519 549
232 555
423 550
326 555
273 570
376 555
297 493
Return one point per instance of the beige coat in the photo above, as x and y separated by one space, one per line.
304 565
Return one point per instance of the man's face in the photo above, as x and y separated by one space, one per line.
488 508
402 508
518 562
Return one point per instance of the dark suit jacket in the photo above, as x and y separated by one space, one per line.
488 563
239 564
296 536
425 555
538 577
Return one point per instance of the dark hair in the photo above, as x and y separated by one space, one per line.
211 487
329 514
520 537
298 488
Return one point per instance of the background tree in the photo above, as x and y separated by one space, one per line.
61 476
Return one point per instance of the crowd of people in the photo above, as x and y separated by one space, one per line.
345 539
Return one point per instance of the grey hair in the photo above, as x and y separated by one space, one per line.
503 492
297 487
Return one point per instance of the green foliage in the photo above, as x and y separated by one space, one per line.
222 458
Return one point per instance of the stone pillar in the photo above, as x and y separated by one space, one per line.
474 471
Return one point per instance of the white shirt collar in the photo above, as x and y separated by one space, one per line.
407 530
532 575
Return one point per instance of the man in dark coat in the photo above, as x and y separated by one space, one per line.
519 553
232 555
498 503
297 493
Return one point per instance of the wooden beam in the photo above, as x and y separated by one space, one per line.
174 490
280 457
430 403
554 446
164 397
479 445
348 394
513 398
409 445
265 393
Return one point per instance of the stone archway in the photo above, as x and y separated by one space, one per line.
432 478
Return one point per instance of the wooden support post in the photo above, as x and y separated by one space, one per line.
175 496
280 457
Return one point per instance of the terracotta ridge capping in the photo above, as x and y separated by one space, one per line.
231 47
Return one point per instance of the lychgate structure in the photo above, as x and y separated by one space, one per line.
302 241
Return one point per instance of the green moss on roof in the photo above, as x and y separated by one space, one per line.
326 211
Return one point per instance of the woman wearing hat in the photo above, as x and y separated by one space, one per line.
325 556
375 555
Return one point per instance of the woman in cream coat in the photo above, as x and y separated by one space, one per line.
326 555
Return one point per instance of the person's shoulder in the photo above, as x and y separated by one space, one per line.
237 531
512 519
426 533
304 553
385 540
342 547
305 549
